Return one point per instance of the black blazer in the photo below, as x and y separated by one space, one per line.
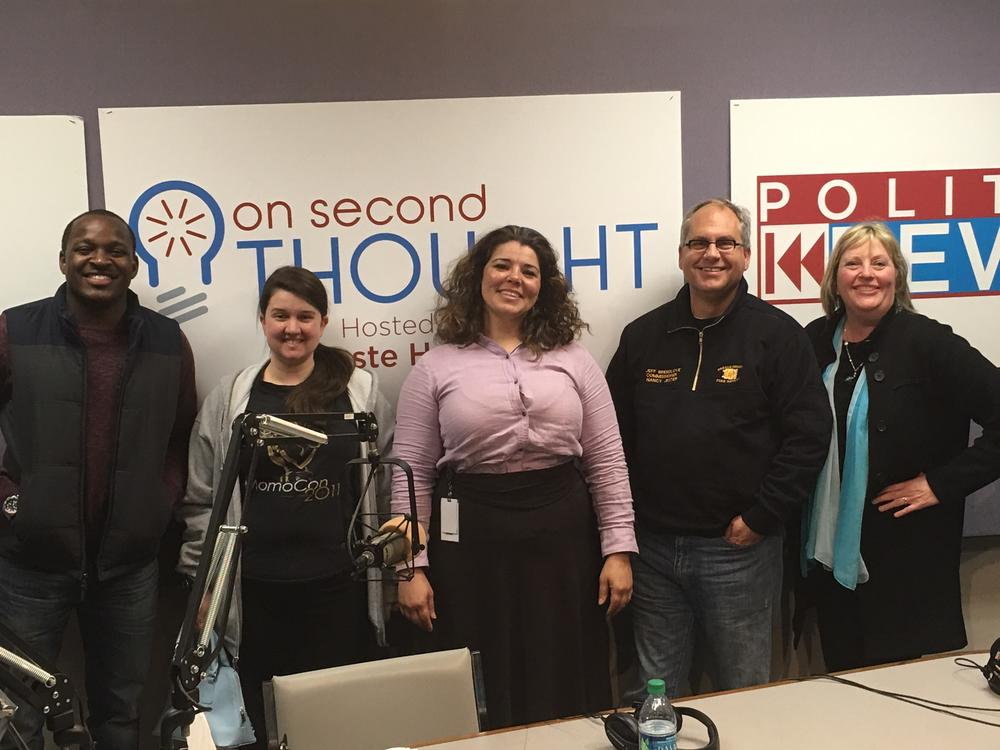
925 383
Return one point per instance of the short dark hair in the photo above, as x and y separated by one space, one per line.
95 212
553 321
332 367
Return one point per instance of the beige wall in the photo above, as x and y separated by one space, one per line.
981 590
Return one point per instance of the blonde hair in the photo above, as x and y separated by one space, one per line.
857 235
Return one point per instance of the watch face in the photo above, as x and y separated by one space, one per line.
10 506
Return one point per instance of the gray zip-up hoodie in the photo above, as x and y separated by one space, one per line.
209 440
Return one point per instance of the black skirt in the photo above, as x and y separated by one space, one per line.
521 587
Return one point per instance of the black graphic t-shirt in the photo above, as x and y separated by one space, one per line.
301 501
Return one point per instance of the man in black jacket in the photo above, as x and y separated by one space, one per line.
725 425
97 399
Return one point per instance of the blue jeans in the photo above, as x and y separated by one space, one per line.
688 586
116 624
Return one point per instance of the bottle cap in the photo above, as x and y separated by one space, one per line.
656 687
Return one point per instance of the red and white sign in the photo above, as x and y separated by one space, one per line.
928 166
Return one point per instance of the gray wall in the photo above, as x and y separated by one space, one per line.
72 56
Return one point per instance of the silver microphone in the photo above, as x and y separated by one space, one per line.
271 426
390 546
385 550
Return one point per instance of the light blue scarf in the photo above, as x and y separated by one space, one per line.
831 524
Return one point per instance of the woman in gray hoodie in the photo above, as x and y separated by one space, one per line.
296 606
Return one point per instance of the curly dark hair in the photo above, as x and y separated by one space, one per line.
552 322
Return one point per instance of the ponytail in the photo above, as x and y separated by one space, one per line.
331 372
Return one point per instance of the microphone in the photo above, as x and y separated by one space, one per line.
390 546
271 426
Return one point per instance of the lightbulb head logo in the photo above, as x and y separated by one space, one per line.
175 217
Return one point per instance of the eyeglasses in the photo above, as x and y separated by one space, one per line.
723 244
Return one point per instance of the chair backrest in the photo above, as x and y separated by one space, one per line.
378 704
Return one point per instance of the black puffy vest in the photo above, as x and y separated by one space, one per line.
43 425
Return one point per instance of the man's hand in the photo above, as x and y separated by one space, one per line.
740 534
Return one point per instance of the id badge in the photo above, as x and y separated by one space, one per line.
449 519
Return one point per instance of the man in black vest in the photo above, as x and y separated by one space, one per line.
97 399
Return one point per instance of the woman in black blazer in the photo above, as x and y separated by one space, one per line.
882 534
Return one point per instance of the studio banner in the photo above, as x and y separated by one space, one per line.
379 199
929 166
43 184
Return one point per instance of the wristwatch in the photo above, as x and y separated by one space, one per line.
9 506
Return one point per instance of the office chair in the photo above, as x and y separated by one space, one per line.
378 704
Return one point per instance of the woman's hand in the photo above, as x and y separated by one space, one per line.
906 497
615 582
416 600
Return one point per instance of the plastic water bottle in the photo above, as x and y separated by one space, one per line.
657 721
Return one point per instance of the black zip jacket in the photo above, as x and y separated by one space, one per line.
719 420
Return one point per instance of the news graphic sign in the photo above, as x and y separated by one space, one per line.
928 166
947 222
380 198
43 184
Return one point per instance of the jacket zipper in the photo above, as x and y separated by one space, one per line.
701 349
119 401
235 517
83 482
82 491
701 345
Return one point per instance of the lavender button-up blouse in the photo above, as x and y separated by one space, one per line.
479 409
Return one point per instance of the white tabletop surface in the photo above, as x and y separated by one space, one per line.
810 715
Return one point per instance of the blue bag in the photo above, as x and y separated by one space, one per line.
220 690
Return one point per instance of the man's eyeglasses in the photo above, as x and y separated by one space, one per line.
723 244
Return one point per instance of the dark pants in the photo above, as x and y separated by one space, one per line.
116 624
298 627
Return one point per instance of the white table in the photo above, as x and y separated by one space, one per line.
810 715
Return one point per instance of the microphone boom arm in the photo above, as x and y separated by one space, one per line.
218 561
23 676
374 459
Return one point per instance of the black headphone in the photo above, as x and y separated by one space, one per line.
992 669
623 728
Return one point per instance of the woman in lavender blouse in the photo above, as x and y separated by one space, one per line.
517 460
